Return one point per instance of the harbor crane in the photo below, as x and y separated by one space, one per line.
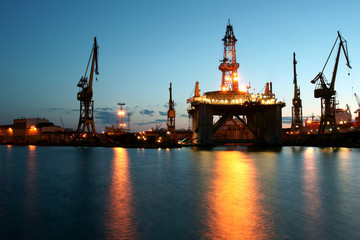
228 65
326 91
85 94
296 121
171 114
357 119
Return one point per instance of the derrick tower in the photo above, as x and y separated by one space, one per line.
326 91
171 114
228 65
296 115
85 94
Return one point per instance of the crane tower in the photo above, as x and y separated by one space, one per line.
326 91
85 94
228 65
296 121
171 114
357 119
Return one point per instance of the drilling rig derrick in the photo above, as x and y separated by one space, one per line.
326 91
85 94
228 65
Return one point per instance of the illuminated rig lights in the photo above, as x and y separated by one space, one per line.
235 99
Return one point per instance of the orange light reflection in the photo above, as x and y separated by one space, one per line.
31 195
119 220
235 199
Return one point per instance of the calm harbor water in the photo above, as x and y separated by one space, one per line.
223 193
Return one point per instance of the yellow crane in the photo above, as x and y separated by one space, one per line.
171 114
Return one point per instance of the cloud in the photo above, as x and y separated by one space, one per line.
54 109
105 117
184 115
166 105
150 122
162 113
286 119
159 120
147 112
63 110
105 109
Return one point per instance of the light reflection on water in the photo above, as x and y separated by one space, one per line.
311 192
119 219
31 194
226 193
234 202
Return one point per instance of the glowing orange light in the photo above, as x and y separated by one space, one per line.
223 88
242 88
121 112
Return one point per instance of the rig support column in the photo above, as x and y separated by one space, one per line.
203 125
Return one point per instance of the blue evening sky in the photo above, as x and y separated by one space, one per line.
145 45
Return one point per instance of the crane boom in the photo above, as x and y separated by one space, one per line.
94 65
295 77
357 99
342 45
296 115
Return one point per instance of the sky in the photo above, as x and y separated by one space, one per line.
145 45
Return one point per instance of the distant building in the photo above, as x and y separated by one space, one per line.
30 131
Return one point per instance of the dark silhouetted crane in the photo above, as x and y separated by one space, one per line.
228 65
357 119
85 94
296 120
326 91
171 114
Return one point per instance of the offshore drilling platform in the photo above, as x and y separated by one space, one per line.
244 117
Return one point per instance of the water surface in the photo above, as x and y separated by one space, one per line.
223 193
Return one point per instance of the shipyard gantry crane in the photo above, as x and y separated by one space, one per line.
85 94
326 91
171 114
228 65
357 119
296 120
